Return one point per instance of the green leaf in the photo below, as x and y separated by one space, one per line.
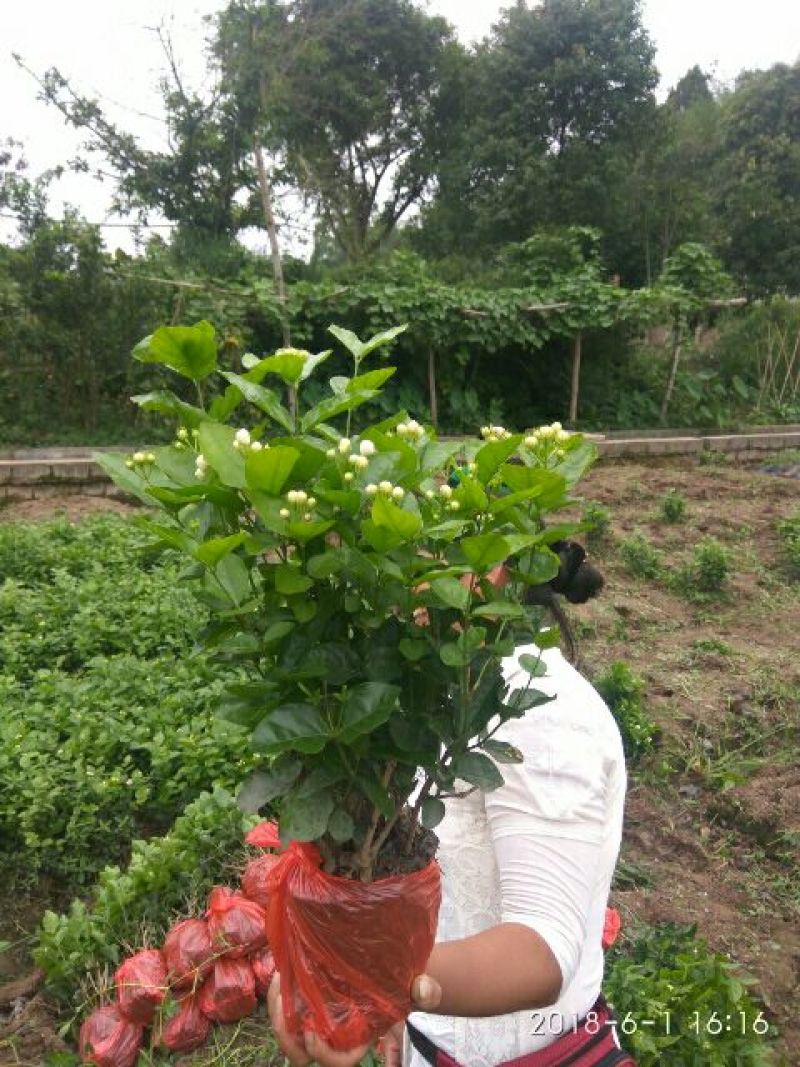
477 769
373 379
129 481
334 405
548 637
288 366
377 795
381 339
470 495
493 455
350 340
402 523
305 820
289 579
265 785
312 362
292 727
166 403
262 398
525 699
189 350
341 826
215 442
534 665
502 751
432 812
269 469
485 550
501 609
451 592
339 385
233 576
211 552
540 567
325 564
412 650
366 707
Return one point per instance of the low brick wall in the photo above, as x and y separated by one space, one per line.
28 473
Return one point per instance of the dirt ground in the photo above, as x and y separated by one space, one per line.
713 816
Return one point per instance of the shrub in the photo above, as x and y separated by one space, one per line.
640 557
673 507
623 691
598 520
165 876
789 531
709 569
701 1009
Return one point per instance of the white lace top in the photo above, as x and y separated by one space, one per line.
540 850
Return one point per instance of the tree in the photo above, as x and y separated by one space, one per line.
349 95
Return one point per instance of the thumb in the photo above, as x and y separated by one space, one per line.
426 993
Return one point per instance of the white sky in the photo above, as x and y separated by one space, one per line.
109 50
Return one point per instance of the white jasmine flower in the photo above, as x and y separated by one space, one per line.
183 434
312 502
402 429
150 457
454 505
344 445
385 488
256 446
398 492
563 435
307 517
301 496
446 491
367 448
531 441
331 453
371 489
291 496
555 426
362 463
429 493
348 476
284 513
138 457
129 464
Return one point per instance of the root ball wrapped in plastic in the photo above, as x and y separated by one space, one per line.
265 835
348 951
188 1028
255 878
263 964
188 953
108 1039
238 926
229 992
141 983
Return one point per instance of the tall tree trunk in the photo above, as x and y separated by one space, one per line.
576 378
265 187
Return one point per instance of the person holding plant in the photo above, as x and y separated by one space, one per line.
517 968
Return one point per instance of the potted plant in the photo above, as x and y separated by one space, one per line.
347 578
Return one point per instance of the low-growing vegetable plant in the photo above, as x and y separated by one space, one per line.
349 580
597 520
789 531
623 691
641 559
708 571
673 506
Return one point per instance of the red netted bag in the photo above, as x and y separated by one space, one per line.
265 835
188 953
263 964
108 1039
188 1028
238 926
348 951
229 992
254 879
611 927
141 983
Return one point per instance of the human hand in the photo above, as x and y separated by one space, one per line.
426 994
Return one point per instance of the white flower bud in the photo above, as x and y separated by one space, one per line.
138 457
301 496
371 489
531 441
312 501
256 446
354 459
454 505
555 426
331 453
348 476
367 448
560 453
446 491
284 513
385 488
485 431
398 492
183 434
363 463
242 437
562 435
291 496
344 445
129 464
150 457
429 493
307 517
402 429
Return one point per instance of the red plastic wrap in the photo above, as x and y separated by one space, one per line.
348 951
188 1028
265 835
229 992
188 953
254 879
108 1039
141 983
263 964
611 927
238 926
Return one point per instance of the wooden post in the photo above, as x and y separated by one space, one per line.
432 389
676 356
576 378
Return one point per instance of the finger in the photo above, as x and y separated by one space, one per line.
392 1051
293 1049
426 993
325 1056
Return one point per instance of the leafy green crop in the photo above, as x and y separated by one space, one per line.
789 531
623 691
640 557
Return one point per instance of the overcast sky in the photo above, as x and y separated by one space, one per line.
109 49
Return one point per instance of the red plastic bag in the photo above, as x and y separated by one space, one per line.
348 951
263 964
229 992
108 1039
238 926
141 983
265 835
254 879
188 1029
188 953
611 927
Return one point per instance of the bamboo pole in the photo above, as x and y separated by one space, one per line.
432 389
673 373
576 378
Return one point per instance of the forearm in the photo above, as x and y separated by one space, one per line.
506 968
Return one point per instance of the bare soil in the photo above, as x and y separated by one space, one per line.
713 816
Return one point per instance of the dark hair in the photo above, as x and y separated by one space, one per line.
577 579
